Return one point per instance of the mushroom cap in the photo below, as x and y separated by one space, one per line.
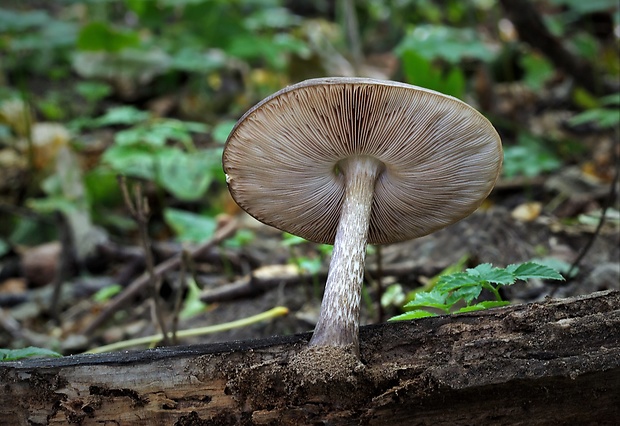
441 157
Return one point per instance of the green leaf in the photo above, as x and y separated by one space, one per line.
106 293
241 239
468 294
611 100
529 270
450 44
99 36
451 282
192 305
418 313
186 175
310 265
393 296
484 305
93 91
222 130
4 247
602 116
132 160
122 115
31 351
197 60
537 70
190 227
486 272
529 157
431 299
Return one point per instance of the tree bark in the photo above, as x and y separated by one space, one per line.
555 362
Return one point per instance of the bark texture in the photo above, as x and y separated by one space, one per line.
556 362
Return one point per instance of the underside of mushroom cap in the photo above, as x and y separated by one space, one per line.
440 157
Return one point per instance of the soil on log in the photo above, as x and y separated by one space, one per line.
555 362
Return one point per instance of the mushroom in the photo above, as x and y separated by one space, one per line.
352 161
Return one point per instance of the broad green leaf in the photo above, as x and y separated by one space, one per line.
186 175
98 36
529 157
538 70
418 313
529 270
122 115
310 265
190 227
197 60
131 160
31 351
222 130
450 44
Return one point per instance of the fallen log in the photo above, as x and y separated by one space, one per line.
554 362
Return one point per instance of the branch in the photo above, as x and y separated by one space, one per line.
555 362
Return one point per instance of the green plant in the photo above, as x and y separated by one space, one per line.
160 150
529 157
278 311
454 290
605 115
29 352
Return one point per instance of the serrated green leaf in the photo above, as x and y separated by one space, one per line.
188 226
455 281
486 272
186 175
418 313
468 294
529 270
430 299
31 351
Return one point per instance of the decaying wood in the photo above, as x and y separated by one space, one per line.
556 362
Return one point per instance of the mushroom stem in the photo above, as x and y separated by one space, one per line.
338 323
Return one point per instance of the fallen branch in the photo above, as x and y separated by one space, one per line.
555 362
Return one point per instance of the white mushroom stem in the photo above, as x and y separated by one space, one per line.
338 323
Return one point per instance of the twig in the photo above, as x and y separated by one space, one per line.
611 197
139 210
272 313
139 283
66 264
